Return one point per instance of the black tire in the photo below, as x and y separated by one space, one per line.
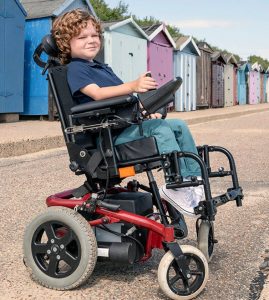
60 249
174 288
205 239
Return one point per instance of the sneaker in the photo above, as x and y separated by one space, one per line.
183 199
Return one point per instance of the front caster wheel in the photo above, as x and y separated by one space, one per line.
60 249
171 280
205 239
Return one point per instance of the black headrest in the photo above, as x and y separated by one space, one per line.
49 45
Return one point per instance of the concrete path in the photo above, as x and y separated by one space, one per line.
243 233
31 136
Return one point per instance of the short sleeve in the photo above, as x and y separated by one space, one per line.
78 76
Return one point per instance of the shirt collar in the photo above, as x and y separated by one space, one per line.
93 63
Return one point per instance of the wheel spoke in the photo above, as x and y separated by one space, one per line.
174 279
53 265
186 284
49 231
40 248
196 272
69 259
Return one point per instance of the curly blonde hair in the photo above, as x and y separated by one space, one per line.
69 25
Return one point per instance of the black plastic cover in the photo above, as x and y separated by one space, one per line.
136 202
156 99
138 149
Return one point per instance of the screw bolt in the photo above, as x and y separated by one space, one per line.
82 153
48 251
52 241
54 249
58 257
62 246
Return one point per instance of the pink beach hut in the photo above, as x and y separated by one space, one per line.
254 84
160 53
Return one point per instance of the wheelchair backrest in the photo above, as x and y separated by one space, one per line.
64 101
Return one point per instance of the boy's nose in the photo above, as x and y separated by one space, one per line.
90 40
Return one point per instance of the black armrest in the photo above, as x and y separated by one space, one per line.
95 105
156 99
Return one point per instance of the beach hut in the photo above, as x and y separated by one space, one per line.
266 78
262 85
203 76
12 24
160 48
242 82
125 48
254 84
230 80
40 15
185 57
217 85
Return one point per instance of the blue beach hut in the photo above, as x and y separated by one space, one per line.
242 82
40 15
12 23
185 66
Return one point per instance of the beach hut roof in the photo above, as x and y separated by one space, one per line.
47 8
244 66
230 59
256 67
217 55
109 26
183 41
153 30
205 47
21 7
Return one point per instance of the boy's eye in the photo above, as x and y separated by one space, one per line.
81 37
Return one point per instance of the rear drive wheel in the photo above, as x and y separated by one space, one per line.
171 280
60 248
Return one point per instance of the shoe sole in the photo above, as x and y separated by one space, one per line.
173 203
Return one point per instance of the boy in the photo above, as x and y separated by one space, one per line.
78 36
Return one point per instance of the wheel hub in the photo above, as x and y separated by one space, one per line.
55 249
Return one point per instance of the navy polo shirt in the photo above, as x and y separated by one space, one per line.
81 73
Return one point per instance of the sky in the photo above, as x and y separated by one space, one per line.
239 26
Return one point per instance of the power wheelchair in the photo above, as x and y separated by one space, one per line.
103 220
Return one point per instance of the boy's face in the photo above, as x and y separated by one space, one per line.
87 44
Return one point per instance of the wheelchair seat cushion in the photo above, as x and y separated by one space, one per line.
137 149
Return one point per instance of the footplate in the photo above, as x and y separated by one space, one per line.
231 195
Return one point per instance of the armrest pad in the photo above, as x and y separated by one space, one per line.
156 99
95 105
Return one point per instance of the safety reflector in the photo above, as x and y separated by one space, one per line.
126 172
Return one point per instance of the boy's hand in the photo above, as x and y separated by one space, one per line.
155 116
144 83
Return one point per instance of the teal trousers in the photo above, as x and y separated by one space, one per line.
171 135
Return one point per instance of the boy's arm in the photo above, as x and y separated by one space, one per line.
141 85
